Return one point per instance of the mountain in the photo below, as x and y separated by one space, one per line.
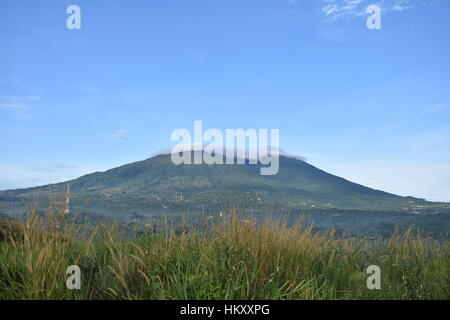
156 185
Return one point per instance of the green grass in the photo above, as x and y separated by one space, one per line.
234 259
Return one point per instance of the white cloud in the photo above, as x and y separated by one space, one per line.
64 166
426 88
121 134
12 105
16 174
336 9
33 98
84 88
433 143
17 83
402 5
432 108
15 102
226 150
413 178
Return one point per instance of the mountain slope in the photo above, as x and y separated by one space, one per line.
156 184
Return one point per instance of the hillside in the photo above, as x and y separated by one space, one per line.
156 185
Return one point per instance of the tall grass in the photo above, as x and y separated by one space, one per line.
233 259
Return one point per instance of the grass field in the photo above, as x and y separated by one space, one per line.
234 259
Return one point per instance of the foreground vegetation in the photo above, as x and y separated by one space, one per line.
233 259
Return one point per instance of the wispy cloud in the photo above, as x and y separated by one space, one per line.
402 5
17 174
84 88
13 105
429 180
33 98
64 166
432 108
336 9
426 88
15 102
121 134
17 83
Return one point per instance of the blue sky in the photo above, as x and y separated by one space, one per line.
372 106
